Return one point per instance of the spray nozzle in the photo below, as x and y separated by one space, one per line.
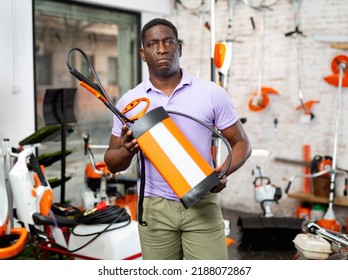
102 205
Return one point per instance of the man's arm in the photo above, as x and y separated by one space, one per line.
240 144
241 151
121 150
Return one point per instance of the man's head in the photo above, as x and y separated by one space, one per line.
161 49
158 21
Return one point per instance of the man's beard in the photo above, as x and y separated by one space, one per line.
168 71
165 72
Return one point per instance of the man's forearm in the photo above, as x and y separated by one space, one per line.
240 153
118 159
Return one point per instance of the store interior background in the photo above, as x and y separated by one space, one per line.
286 140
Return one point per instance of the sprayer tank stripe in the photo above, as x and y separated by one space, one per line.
186 144
163 164
175 158
177 154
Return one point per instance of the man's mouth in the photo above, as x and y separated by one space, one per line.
163 60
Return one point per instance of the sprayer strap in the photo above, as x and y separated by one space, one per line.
141 191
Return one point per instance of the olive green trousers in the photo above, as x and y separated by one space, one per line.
174 232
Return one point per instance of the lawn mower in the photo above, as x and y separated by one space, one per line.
12 238
101 185
102 232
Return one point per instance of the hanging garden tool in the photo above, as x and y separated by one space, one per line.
223 49
260 99
306 106
329 220
297 33
339 66
199 10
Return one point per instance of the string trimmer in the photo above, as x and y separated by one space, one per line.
329 220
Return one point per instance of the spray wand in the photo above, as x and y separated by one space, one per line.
96 89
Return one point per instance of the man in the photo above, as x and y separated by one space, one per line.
173 232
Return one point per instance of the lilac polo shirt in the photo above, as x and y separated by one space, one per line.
201 99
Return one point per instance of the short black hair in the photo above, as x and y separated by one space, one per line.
158 21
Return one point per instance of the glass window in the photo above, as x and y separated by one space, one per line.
110 38
105 35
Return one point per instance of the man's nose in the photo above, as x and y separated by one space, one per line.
161 48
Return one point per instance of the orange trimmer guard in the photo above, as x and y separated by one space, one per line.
174 157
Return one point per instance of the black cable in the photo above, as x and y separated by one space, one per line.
104 216
141 191
110 216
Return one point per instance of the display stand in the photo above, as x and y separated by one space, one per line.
58 108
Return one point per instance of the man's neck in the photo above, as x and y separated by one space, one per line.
167 84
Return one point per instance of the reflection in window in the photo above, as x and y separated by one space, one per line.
112 70
44 69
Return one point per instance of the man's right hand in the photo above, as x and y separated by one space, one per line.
128 142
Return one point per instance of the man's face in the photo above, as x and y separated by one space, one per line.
161 51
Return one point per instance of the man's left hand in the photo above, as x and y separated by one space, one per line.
222 184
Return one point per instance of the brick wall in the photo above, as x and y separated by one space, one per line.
280 73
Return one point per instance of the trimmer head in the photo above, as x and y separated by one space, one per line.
335 67
260 101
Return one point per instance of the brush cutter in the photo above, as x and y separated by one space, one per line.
223 60
223 49
259 100
329 220
340 64
297 33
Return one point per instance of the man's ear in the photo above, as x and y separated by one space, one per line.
180 49
141 52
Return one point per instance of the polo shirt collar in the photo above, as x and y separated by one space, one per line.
186 79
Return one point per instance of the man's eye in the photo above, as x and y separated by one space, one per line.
169 43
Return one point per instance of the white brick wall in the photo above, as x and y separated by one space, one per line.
279 72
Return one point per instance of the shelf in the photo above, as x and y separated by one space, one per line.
338 200
340 46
